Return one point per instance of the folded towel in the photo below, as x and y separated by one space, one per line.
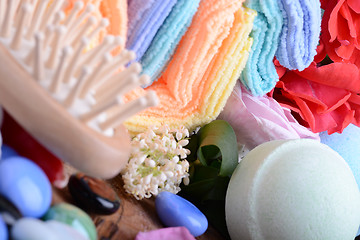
259 75
300 33
115 11
204 69
167 38
145 19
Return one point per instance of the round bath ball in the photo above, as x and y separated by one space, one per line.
293 189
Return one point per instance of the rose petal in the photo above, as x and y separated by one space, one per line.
345 12
340 75
354 5
333 21
354 102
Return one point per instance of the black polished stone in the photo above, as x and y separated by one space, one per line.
8 211
93 195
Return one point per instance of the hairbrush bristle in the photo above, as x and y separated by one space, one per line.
55 50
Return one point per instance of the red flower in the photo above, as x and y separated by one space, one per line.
341 30
323 98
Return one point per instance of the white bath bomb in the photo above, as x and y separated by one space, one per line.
293 189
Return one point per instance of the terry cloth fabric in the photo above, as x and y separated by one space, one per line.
204 69
145 19
300 33
259 75
167 38
115 11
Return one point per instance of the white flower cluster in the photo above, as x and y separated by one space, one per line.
157 162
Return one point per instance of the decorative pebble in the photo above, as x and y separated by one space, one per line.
92 194
180 233
9 211
175 211
74 217
7 152
64 231
3 230
32 229
0 145
35 229
26 185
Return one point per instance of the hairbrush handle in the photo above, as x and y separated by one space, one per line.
49 123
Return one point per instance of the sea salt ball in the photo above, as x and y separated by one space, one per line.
293 189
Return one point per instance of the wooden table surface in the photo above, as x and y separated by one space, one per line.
132 217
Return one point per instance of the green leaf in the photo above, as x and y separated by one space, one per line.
217 142
214 158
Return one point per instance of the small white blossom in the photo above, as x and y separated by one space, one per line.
157 162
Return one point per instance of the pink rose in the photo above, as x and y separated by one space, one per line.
256 120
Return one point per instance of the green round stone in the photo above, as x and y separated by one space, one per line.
73 216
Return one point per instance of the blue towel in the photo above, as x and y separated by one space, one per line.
300 33
259 75
167 38
145 19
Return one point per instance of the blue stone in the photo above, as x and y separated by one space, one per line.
3 230
7 152
26 185
175 211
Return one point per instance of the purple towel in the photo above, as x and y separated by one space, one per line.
300 33
145 19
